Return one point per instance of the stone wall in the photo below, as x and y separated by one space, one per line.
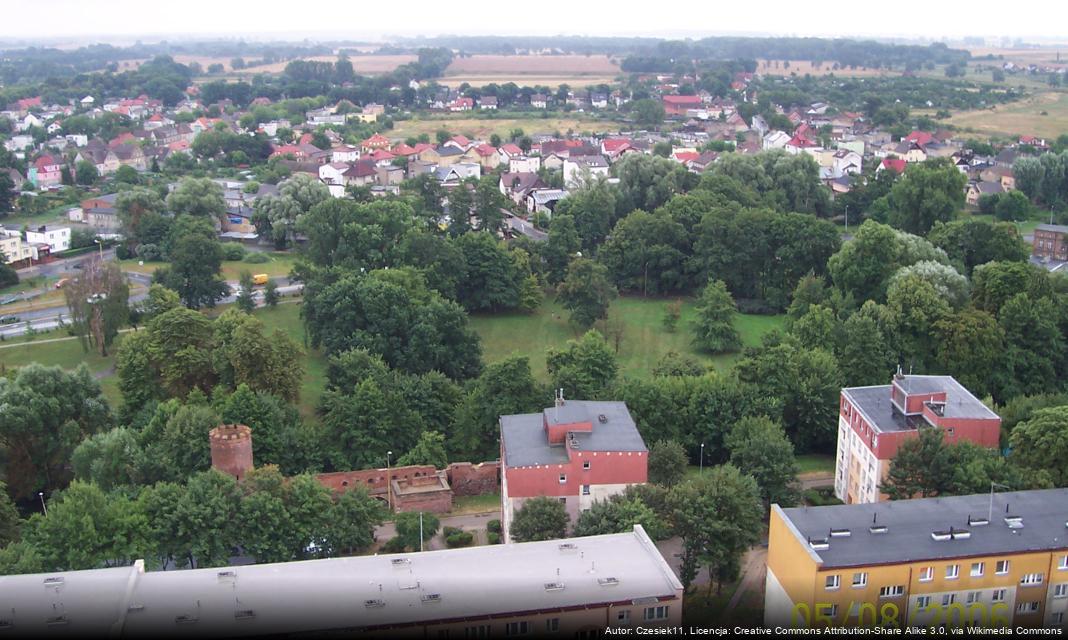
373 480
468 479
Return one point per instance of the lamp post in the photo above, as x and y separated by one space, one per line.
389 483
420 531
40 494
702 468
100 244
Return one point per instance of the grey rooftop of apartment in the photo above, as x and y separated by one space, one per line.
348 593
1059 228
874 402
932 528
526 443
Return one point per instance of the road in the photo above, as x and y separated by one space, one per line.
474 522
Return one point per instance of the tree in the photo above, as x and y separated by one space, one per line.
915 306
667 463
245 301
560 247
1034 347
586 292
279 216
540 518
196 261
1012 206
943 278
592 207
460 203
648 112
493 279
244 353
504 388
10 522
974 242
489 202
207 517
928 466
863 266
98 302
619 514
133 206
970 347
411 523
647 181
929 192
110 459
366 423
672 315
7 192
584 368
718 515
760 447
270 293
429 450
86 173
994 283
673 363
714 329
647 253
1040 444
197 197
352 520
49 411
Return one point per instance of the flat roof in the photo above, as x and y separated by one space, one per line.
874 402
526 444
910 524
342 593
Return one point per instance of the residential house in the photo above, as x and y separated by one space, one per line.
845 162
897 165
575 167
449 155
614 148
976 190
484 154
910 151
774 140
599 100
702 162
374 143
361 174
1051 242
19 143
508 151
539 101
344 153
518 185
333 173
99 212
463 143
677 105
57 238
544 200
524 164
462 104
16 178
487 102
46 171
798 144
17 252
998 173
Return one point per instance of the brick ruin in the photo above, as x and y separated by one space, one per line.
410 488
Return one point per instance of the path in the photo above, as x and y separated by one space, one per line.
754 573
475 522
816 479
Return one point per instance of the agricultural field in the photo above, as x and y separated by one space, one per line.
577 70
483 128
363 64
802 67
1044 114
1044 56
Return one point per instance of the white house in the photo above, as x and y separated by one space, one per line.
57 238
524 164
334 173
576 167
344 153
29 121
87 102
846 161
774 140
19 143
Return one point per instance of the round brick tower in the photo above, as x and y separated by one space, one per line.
231 449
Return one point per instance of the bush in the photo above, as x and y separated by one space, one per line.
233 251
820 497
122 252
462 539
493 537
81 238
394 545
149 252
493 526
450 531
256 257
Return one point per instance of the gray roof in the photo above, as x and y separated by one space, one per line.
449 150
1059 228
526 444
910 524
342 593
874 402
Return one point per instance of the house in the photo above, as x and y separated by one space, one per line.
539 101
774 140
576 451
382 158
921 138
517 185
874 422
463 143
46 171
799 144
924 558
760 125
361 174
524 164
570 588
1006 157
449 155
998 173
452 175
599 100
17 252
16 178
845 162
508 151
486 155
702 162
57 238
19 143
374 143
976 190
544 200
897 165
613 148
487 102
677 105
344 153
461 104
333 173
87 102
1050 242
29 121
576 167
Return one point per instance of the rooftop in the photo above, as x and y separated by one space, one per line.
1042 526
526 444
343 593
874 402
1059 228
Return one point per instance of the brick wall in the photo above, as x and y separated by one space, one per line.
373 480
231 449
468 479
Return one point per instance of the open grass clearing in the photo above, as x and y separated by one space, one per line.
483 128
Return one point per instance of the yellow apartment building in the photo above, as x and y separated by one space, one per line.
991 560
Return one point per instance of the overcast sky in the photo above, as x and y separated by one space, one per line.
102 20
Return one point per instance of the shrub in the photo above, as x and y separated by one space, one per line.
394 545
149 252
462 539
122 252
256 257
450 531
820 497
233 251
493 526
493 537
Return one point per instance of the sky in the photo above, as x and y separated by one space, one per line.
122 21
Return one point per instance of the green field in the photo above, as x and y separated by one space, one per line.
1044 114
644 339
279 265
45 349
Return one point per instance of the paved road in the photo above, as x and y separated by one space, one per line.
817 479
471 522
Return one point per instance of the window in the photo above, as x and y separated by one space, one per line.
1063 564
1061 590
926 574
563 478
1057 618
586 465
623 617
832 582
892 592
949 432
998 595
923 602
479 631
860 580
517 628
1031 579
655 613
831 610
552 625
977 569
949 599
973 597
585 489
1002 567
854 610
1027 607
952 571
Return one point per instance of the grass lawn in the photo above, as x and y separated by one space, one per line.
286 317
815 463
1044 114
1026 227
64 353
279 265
462 505
644 339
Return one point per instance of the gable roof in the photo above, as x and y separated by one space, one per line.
894 164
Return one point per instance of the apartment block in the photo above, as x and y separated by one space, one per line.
873 422
577 451
995 560
568 588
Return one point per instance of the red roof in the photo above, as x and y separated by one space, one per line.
485 150
361 169
615 144
801 141
306 139
682 100
896 165
511 149
686 156
377 140
422 146
461 140
381 154
403 150
44 161
26 103
920 137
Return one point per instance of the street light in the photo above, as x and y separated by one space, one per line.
702 469
389 483
100 243
40 494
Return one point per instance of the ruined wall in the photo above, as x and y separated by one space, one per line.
468 479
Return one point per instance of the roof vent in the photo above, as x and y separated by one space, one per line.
135 607
554 586
841 533
602 418
185 619
432 597
977 522
875 526
571 546
1014 522
54 582
244 614
57 620
941 536
819 544
400 562
227 575
374 603
608 582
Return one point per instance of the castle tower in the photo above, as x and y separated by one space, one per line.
231 449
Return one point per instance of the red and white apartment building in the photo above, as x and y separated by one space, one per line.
873 422
578 451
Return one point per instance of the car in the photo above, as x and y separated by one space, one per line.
79 266
8 319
